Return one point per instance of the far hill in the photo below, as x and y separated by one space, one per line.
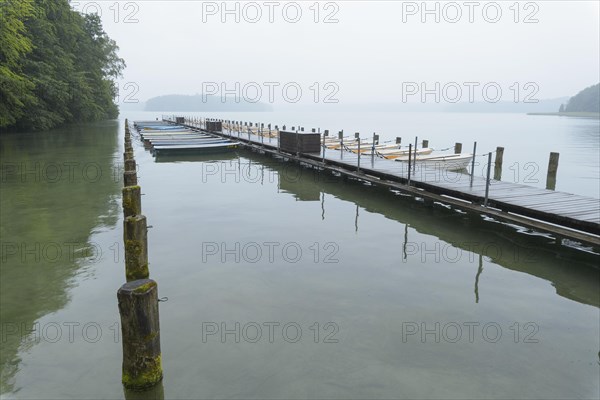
588 100
198 102
584 104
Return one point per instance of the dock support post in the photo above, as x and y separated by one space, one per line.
325 134
409 165
398 140
415 158
498 164
357 135
375 142
132 201
341 136
473 162
487 181
552 170
457 148
140 329
425 143
135 236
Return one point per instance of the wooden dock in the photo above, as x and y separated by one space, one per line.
568 215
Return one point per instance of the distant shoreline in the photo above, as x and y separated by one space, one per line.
571 114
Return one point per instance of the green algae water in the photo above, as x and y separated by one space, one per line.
279 282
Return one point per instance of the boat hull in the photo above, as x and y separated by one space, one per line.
454 162
195 149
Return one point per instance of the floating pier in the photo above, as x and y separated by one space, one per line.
567 215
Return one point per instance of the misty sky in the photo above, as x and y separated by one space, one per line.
370 54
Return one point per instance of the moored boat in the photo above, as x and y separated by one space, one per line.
196 148
391 154
450 162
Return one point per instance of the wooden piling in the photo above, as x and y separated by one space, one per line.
132 201
140 329
135 236
552 170
457 148
130 178
130 165
398 140
498 163
425 143
128 155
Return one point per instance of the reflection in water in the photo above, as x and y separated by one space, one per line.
370 292
479 271
573 272
57 188
405 241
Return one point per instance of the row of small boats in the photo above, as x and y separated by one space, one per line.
392 151
421 156
164 138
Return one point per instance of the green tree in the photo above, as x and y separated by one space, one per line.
66 62
588 100
15 87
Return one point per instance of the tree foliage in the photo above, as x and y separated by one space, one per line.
56 66
588 100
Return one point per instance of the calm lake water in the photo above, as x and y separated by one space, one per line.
282 283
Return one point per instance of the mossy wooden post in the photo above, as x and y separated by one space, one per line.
132 201
128 155
130 165
135 236
498 163
457 148
130 178
552 169
140 329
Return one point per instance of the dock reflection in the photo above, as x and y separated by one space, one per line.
572 270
